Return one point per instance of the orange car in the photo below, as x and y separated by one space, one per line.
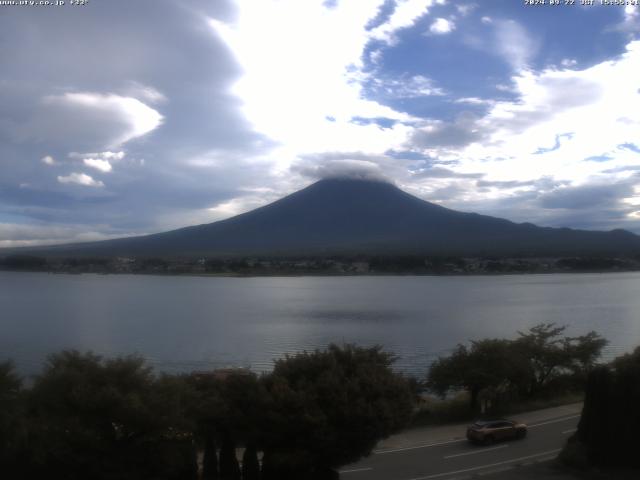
489 431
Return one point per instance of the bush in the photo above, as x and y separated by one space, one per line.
329 408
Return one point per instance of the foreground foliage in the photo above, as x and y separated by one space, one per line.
89 417
607 434
331 408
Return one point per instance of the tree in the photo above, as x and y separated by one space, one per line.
12 422
610 421
526 366
549 355
229 466
487 364
583 352
228 413
206 412
329 408
105 419
543 348
250 464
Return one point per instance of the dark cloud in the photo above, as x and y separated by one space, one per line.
626 168
128 60
447 193
588 196
552 203
505 183
408 155
463 131
441 172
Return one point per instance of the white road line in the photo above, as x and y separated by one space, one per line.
553 421
571 430
356 470
476 451
380 452
437 475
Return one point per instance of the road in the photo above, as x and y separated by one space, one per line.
443 453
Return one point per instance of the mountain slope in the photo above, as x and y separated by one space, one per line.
335 216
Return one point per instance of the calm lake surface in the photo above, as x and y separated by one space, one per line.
196 323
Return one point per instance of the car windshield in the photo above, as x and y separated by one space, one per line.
480 424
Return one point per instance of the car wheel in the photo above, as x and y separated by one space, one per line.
521 434
488 440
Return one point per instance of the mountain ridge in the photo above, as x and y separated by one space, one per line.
349 216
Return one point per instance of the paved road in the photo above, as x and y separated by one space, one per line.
406 457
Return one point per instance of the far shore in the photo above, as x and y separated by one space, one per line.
323 274
326 266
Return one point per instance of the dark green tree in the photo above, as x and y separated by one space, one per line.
241 423
107 419
12 422
329 408
250 463
207 412
229 466
228 413
210 458
608 428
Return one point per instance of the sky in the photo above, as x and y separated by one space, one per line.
122 118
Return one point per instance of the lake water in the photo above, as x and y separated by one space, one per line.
196 323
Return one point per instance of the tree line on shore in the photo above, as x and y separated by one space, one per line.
85 416
319 265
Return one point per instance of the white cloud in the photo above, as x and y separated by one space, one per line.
406 87
99 160
344 168
145 92
88 119
513 42
568 62
21 235
98 164
80 179
475 101
302 85
559 119
48 160
631 12
140 118
406 14
108 155
466 9
508 39
442 26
